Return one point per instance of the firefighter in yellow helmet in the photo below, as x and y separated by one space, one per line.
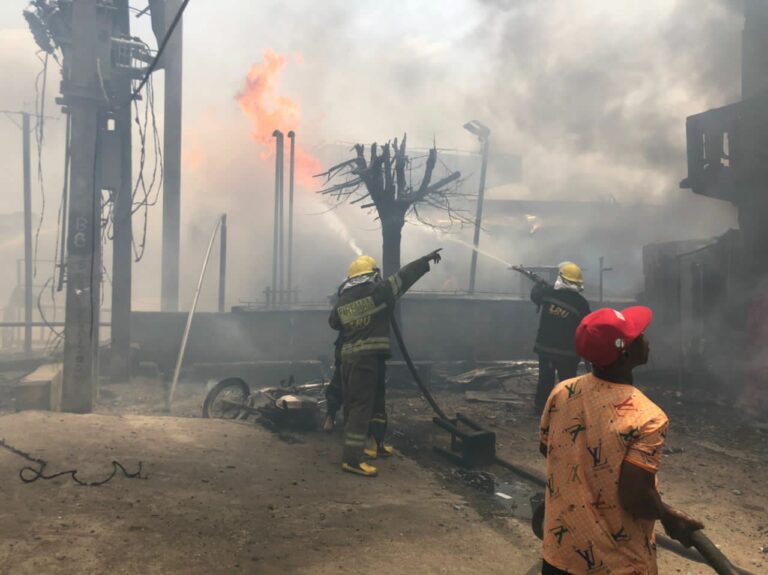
562 307
361 314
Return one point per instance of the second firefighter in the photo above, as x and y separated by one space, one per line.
562 307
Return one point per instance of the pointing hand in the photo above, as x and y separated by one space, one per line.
434 256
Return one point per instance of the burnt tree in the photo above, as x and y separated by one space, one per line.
384 179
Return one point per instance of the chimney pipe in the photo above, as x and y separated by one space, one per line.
291 174
278 232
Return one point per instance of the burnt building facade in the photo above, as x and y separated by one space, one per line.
705 291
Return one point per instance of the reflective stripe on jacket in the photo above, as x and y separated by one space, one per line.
362 312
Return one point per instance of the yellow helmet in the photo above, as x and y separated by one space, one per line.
361 266
570 272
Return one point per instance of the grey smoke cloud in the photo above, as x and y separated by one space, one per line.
591 93
595 93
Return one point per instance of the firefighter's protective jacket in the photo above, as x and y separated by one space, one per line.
561 313
362 312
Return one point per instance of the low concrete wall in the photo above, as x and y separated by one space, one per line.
446 328
435 329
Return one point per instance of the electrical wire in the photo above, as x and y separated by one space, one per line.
150 191
61 233
29 474
161 48
39 136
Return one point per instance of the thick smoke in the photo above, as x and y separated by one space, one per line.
592 94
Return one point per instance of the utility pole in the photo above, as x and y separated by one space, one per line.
123 232
86 62
25 128
172 62
483 134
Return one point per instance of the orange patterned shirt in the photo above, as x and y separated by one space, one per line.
590 426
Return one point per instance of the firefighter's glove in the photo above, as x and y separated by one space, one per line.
434 257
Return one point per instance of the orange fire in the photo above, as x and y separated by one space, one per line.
270 111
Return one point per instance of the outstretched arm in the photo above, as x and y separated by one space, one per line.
639 496
397 284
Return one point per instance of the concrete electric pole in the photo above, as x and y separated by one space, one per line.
172 62
86 62
122 258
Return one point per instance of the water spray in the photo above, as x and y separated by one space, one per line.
446 236
335 223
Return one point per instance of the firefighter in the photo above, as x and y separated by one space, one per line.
562 307
362 314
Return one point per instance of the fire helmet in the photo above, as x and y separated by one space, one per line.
361 266
571 273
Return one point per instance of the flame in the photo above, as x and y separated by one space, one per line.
270 111
193 155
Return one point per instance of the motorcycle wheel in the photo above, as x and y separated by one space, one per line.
228 399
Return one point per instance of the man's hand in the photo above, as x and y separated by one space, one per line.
434 256
679 525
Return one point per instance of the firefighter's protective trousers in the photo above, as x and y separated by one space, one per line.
364 403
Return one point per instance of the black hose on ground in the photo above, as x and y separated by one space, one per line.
412 368
708 552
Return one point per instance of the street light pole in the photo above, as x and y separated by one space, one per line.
602 274
483 134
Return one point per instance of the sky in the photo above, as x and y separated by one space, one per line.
592 94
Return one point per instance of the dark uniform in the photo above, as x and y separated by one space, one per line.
362 313
561 313
333 393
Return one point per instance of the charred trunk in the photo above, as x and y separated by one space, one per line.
391 229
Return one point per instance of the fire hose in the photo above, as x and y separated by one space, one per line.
708 552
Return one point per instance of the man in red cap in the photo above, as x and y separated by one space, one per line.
602 438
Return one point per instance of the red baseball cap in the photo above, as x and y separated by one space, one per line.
605 333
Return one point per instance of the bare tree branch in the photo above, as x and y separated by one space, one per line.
431 161
382 183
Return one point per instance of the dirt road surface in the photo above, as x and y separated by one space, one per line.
223 497
232 497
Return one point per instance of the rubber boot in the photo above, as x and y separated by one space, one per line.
360 469
374 450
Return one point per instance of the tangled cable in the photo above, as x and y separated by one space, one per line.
29 474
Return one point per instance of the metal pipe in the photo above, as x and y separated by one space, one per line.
479 215
281 223
223 263
27 233
190 315
278 135
291 178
